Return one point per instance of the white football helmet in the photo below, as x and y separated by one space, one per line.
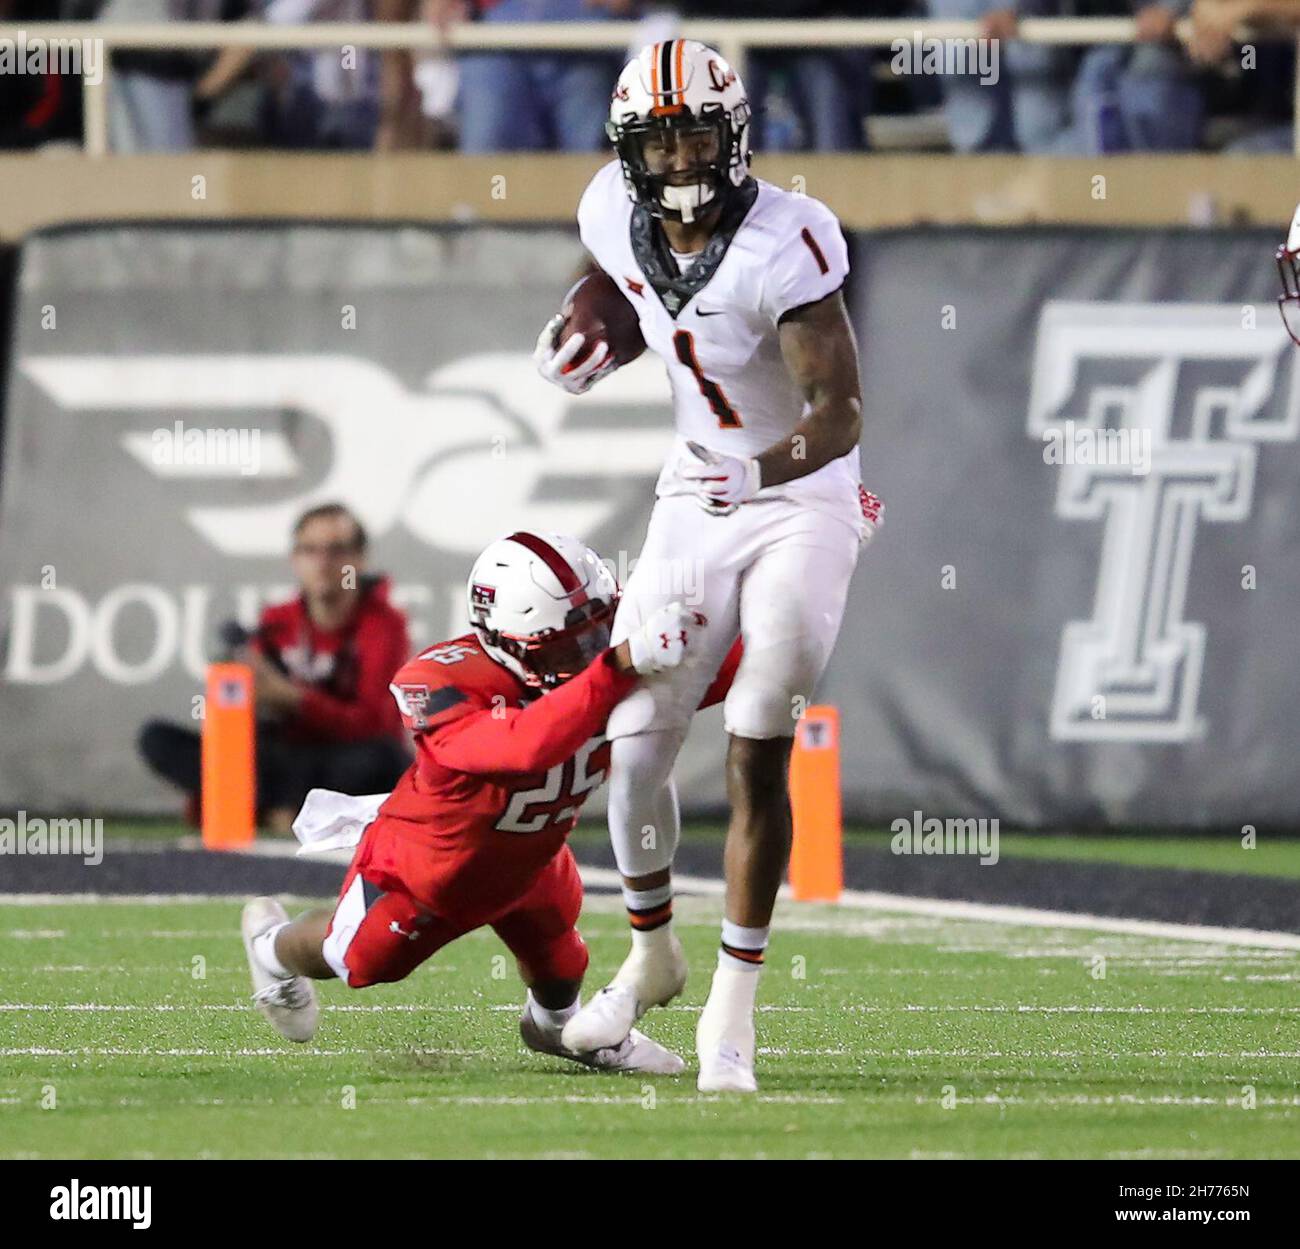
1288 265
677 88
541 604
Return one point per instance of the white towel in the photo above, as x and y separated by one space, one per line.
333 821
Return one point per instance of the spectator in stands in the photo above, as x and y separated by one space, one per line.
1271 80
149 99
1213 23
805 99
403 122
1140 97
417 90
38 109
534 101
321 667
324 99
1027 107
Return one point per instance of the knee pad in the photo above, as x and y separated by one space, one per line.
760 711
771 690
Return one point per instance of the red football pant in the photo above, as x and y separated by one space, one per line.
376 937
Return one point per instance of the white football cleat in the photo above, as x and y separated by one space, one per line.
636 1053
606 1020
290 1005
648 977
724 1037
724 1068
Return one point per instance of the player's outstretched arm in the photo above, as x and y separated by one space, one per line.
821 354
537 737
552 729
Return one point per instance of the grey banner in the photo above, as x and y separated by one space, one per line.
1050 643
1071 643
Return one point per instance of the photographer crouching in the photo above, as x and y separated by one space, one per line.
321 667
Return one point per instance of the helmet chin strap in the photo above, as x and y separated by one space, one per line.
687 200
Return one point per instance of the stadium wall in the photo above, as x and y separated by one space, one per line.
868 192
1055 644
8 267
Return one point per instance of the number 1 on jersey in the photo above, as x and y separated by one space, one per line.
728 417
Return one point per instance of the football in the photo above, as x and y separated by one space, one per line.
597 308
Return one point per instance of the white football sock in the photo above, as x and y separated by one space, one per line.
552 1020
742 948
731 996
652 952
264 948
652 942
646 899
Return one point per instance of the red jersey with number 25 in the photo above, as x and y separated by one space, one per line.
499 778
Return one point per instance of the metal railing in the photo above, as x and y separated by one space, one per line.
734 39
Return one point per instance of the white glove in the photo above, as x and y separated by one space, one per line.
721 482
668 639
555 364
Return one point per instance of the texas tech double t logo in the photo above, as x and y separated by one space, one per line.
1210 382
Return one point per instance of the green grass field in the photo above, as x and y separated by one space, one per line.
1271 856
889 1034
1275 856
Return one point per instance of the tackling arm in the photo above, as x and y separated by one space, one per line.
551 729
533 738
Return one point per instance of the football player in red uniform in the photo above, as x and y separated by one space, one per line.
508 724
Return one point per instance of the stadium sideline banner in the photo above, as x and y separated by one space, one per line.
1079 611
1059 627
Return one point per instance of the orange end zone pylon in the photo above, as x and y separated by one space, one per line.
817 856
229 785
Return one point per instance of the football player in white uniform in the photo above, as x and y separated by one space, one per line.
1288 266
737 287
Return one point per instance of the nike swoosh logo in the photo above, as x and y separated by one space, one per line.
713 312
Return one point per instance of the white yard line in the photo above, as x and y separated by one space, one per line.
1032 917
851 900
1181 1101
378 1008
130 899
1070 1009
765 1009
997 913
1108 1099
198 1051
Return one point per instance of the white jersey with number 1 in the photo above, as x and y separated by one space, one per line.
715 325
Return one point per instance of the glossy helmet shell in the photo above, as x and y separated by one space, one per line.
541 605
679 84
